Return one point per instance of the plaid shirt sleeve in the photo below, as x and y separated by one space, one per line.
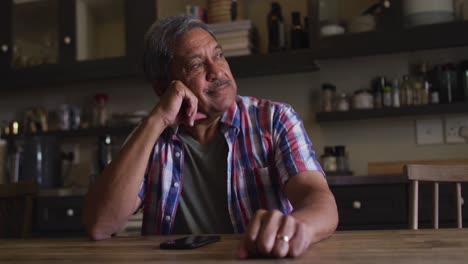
293 153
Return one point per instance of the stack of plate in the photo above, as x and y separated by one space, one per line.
362 24
220 10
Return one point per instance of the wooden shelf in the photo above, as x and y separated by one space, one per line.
292 61
422 110
424 37
88 132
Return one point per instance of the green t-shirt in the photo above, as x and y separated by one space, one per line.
203 206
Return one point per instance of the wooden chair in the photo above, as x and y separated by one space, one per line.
436 174
16 209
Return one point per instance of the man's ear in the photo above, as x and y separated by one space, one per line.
159 87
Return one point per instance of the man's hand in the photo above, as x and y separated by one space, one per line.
178 105
271 233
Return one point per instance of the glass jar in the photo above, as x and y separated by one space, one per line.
363 99
100 115
342 103
328 93
329 160
341 159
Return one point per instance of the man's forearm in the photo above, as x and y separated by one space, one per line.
113 198
318 210
313 204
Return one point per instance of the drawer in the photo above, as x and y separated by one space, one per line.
372 206
60 214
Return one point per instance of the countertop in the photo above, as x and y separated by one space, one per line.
448 246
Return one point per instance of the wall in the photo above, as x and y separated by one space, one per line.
374 140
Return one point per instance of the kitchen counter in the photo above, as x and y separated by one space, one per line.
366 180
448 246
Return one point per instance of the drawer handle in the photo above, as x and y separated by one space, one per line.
70 212
4 48
462 201
67 40
357 205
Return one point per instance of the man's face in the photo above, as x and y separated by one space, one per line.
199 63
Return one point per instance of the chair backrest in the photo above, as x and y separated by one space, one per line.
436 174
16 207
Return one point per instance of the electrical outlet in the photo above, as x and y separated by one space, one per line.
429 131
454 129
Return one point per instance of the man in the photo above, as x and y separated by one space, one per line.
208 161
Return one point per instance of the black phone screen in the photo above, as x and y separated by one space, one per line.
189 242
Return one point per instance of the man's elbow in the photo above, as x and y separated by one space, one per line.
95 233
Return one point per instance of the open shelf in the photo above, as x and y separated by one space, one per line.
82 132
421 110
291 61
423 37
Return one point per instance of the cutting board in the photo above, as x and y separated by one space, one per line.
396 167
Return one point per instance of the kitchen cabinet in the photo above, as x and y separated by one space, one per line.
53 41
381 202
58 216
394 30
71 62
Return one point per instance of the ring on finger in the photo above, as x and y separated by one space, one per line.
283 238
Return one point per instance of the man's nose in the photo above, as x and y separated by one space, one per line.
214 71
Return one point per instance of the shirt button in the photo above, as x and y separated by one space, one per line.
177 154
176 184
167 218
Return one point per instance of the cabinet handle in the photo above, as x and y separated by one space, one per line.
4 48
462 201
67 40
70 212
357 205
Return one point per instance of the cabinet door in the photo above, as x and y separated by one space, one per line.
5 35
34 33
100 27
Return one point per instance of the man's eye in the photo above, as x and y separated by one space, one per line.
195 66
219 55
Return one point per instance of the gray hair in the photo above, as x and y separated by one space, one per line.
160 40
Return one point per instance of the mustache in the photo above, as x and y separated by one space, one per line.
216 84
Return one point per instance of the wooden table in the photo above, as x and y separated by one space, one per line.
391 246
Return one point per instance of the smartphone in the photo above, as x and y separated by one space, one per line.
189 242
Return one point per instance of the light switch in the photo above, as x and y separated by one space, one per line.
429 131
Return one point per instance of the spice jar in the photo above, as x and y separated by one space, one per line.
342 103
329 160
328 93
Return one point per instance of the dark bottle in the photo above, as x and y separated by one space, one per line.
276 34
378 93
297 32
306 32
449 90
464 80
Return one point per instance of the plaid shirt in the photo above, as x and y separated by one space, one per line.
267 144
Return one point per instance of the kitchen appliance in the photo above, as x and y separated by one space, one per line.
421 12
